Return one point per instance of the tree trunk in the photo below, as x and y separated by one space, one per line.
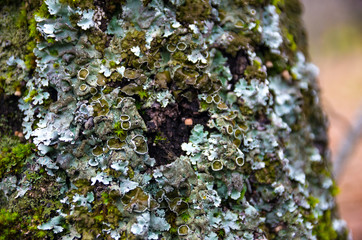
179 119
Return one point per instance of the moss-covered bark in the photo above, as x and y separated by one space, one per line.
180 119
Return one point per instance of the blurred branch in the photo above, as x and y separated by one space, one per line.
348 145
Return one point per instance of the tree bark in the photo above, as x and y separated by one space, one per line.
179 119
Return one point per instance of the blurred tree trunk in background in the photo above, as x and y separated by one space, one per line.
179 119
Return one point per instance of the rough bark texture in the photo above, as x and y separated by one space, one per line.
178 119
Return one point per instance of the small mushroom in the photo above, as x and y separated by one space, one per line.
188 122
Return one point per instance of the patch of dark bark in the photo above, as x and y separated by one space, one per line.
10 115
166 128
237 65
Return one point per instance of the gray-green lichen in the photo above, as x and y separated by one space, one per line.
107 107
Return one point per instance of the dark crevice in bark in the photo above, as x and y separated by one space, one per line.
53 93
10 115
167 129
237 65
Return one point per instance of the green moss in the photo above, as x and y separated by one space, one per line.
221 233
173 230
242 195
7 139
133 39
291 11
292 44
334 189
130 173
37 206
32 28
159 138
32 94
51 40
104 209
12 160
277 3
30 61
13 30
254 72
238 42
185 216
193 10
119 131
112 64
98 39
279 64
142 94
179 56
22 18
43 11
312 201
41 234
9 222
324 229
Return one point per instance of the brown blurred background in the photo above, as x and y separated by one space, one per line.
335 43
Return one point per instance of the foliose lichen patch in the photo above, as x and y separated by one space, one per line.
169 120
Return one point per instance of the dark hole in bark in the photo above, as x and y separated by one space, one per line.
167 129
10 115
53 93
237 65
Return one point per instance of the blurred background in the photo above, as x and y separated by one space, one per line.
335 44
